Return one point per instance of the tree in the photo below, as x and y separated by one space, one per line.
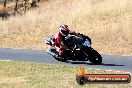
15 9
4 11
5 4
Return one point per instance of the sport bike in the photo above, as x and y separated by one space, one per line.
79 49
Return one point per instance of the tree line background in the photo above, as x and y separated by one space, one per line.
13 7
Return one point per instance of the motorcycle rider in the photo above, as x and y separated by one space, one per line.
59 38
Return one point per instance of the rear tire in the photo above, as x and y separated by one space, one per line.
60 59
63 60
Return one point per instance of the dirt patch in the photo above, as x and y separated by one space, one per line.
12 79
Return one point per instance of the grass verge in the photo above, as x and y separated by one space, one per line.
39 75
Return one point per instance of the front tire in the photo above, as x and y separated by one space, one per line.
95 57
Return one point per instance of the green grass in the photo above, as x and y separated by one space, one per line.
40 75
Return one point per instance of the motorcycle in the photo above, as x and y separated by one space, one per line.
79 49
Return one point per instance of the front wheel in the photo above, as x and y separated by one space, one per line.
95 57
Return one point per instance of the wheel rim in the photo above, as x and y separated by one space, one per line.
96 58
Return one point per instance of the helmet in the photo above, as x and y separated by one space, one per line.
64 30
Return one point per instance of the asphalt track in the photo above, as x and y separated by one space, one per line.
110 62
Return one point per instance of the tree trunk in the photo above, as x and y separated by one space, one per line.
5 3
25 2
38 0
4 10
15 9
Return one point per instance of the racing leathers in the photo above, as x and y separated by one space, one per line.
58 42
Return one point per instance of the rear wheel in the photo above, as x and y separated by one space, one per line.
60 59
63 60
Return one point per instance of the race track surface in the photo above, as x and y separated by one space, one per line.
110 62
